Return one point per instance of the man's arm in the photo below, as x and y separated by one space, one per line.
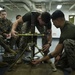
49 40
49 36
15 24
57 50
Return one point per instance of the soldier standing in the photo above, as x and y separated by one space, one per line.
40 21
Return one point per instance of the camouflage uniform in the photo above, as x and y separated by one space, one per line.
5 27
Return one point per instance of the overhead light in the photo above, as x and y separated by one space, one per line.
39 10
59 0
1 8
71 17
59 6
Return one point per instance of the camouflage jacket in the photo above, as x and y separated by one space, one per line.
5 26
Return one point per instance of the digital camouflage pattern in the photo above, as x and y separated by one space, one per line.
5 26
68 56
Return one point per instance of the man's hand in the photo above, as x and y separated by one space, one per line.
57 58
8 36
46 47
14 33
36 61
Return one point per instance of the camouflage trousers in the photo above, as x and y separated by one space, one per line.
4 45
68 56
24 42
69 47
